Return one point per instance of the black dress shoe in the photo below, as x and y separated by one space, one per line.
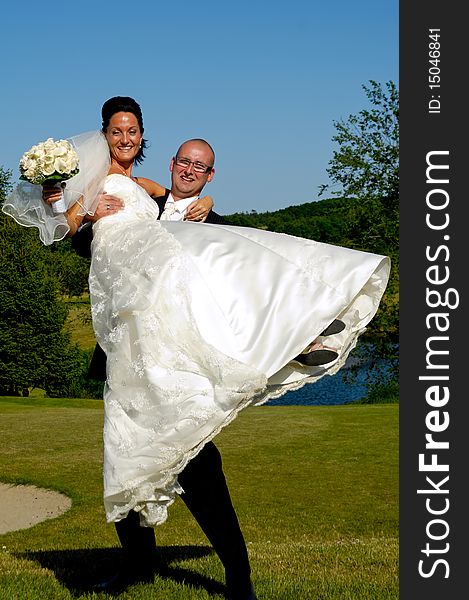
237 594
123 579
113 584
335 327
252 594
316 357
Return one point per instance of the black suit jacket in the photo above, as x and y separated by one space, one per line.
81 243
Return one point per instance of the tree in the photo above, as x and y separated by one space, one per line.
366 166
70 269
35 352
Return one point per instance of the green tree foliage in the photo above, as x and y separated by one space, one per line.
322 220
70 269
366 165
35 352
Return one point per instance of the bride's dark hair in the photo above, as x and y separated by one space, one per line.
124 104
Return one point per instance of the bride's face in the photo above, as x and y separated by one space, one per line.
123 137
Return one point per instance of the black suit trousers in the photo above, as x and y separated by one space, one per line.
207 497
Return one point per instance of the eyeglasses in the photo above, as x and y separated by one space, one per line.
198 166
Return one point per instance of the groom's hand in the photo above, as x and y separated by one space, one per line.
107 205
198 209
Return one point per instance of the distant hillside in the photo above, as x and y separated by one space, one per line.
340 221
322 220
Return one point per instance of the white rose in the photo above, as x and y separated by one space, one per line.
61 165
48 145
33 154
62 148
71 164
27 164
40 155
48 166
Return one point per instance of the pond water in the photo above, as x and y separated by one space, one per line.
328 390
332 389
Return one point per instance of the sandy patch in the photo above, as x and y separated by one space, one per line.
23 506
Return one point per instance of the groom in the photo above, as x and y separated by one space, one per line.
205 490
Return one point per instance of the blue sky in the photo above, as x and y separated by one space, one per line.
262 81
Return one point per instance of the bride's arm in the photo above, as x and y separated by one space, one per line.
51 194
153 189
74 220
106 206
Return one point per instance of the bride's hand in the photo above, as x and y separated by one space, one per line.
50 193
199 209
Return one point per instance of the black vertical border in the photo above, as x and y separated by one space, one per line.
422 131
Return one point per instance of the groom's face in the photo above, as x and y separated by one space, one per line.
187 181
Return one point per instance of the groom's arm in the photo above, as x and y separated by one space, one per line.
81 241
216 219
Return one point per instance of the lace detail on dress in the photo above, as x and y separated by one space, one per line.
167 389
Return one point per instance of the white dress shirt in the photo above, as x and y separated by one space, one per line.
175 210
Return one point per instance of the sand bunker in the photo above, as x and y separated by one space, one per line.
25 505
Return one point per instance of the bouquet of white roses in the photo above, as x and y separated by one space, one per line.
50 161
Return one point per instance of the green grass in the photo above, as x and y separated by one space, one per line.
315 489
79 322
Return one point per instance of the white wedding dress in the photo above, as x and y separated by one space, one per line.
199 321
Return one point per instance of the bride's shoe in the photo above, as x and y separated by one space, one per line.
335 327
315 355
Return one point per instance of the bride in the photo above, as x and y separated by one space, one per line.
197 321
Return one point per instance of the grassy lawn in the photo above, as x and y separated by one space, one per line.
79 322
315 489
